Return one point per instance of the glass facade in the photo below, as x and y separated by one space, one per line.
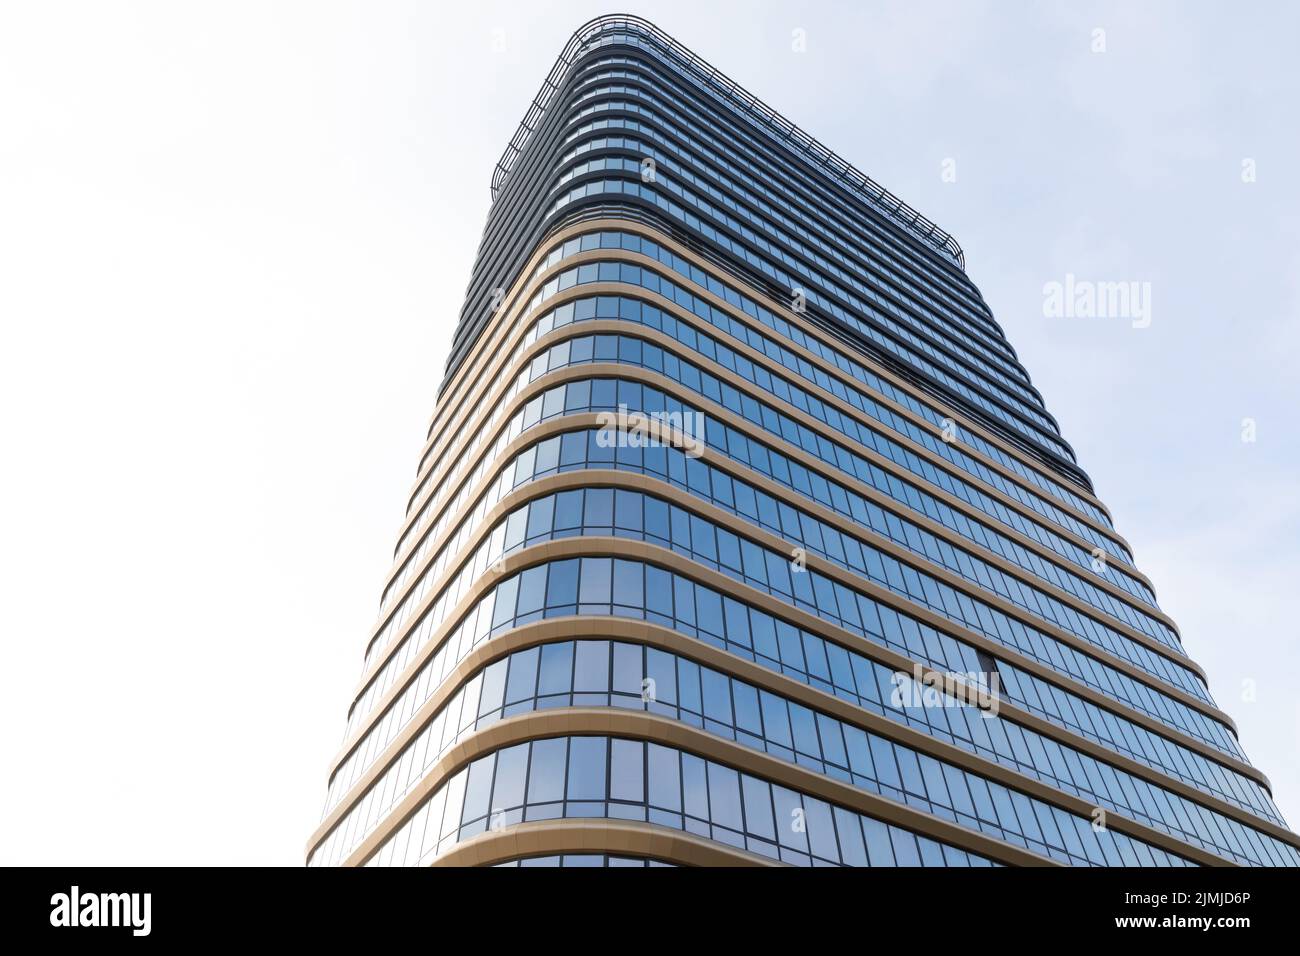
741 535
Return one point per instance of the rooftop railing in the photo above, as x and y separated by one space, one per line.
637 32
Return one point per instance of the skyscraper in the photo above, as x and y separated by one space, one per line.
741 536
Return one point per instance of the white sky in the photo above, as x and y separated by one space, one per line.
234 240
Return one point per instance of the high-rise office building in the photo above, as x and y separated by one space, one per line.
741 536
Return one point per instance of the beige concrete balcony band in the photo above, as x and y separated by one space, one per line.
619 288
867 491
615 837
885 501
476 396
639 551
895 660
524 286
586 721
665 639
781 609
556 425
1030 544
489 347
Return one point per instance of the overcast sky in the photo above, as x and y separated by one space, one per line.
234 239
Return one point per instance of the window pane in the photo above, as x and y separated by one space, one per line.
627 510
546 774
512 768
626 772
627 669
568 512
556 673
629 584
879 850
688 685
455 797
598 509
659 591
665 778
591 669
523 676
587 768
724 796
478 791
594 584
758 807
532 590
562 584
494 685
747 713
717 695
695 791
821 831
852 849
661 668
708 604
791 828
904 844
